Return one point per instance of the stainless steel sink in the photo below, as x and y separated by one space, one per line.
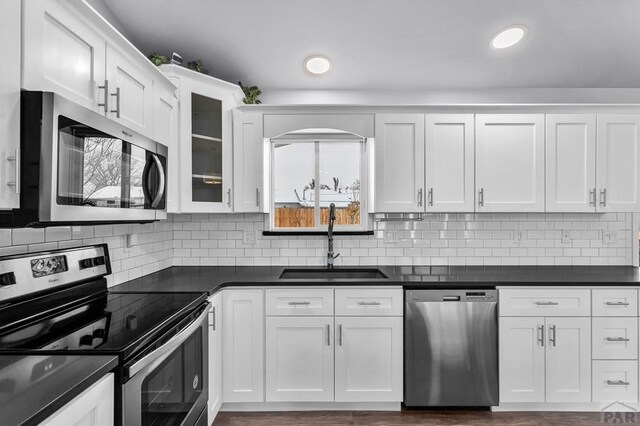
338 273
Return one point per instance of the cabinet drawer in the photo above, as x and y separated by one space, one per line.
615 303
299 301
615 381
545 302
615 338
369 302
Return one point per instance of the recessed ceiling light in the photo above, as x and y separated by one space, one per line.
508 37
317 64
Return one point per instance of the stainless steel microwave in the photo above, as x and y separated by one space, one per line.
79 167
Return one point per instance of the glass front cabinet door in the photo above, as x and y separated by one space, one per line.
205 143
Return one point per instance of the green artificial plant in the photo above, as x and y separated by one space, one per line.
251 94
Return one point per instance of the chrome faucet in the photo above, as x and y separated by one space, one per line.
332 218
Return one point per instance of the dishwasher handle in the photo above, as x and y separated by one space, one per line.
450 298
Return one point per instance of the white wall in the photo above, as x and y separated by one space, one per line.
152 253
441 239
450 97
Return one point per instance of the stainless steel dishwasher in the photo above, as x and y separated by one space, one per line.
451 348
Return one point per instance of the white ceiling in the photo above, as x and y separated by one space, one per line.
396 44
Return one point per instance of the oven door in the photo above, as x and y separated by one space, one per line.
168 385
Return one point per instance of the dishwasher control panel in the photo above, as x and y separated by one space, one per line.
441 295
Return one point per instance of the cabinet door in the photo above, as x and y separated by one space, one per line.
130 92
165 131
510 162
618 181
243 345
61 53
299 359
568 370
205 142
215 356
93 407
571 162
248 162
521 350
369 359
399 163
450 151
10 105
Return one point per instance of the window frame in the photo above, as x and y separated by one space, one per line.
363 227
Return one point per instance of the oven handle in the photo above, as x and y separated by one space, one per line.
160 354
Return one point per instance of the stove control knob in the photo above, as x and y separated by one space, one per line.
86 340
8 278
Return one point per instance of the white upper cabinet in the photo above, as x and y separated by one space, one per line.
510 162
399 163
165 131
571 162
10 105
69 49
62 53
130 92
248 162
450 150
618 161
205 140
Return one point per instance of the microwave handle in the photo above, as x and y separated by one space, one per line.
160 354
160 193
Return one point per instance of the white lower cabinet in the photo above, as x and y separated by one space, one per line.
521 354
568 360
93 407
215 356
243 345
368 359
545 359
299 359
615 381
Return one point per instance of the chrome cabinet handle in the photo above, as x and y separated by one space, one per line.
369 303
229 197
617 339
547 303
105 104
431 196
328 334
603 197
552 335
117 96
257 197
481 197
617 383
340 335
15 159
541 338
420 197
592 197
617 304
299 303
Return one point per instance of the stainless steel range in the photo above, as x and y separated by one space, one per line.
57 303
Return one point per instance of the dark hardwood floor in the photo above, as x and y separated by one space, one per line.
406 417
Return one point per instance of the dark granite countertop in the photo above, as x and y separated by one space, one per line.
213 278
32 387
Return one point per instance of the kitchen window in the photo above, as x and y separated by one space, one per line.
309 172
